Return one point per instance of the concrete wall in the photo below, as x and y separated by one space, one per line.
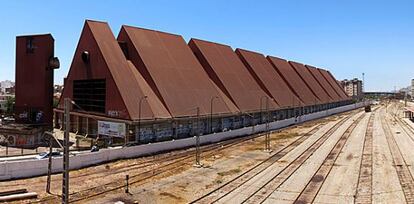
30 168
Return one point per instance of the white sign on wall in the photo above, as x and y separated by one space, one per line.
111 129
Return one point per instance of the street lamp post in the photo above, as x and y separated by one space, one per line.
139 116
211 112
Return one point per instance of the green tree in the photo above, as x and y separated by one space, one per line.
55 102
10 104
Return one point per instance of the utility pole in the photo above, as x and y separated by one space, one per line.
139 117
65 176
198 153
211 113
363 82
261 108
49 166
267 134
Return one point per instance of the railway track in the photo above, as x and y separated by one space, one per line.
171 157
311 190
171 166
236 182
275 181
401 167
363 193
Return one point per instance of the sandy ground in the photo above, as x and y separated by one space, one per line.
186 183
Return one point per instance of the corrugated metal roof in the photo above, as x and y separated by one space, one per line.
228 72
267 77
130 84
293 79
311 82
324 83
334 84
173 72
339 85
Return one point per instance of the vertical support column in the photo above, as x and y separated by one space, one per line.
65 176
126 134
77 124
49 165
87 126
198 153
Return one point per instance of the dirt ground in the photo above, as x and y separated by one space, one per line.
154 181
218 165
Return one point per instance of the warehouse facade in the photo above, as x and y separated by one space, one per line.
162 88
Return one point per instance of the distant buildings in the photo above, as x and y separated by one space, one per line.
6 91
353 88
6 87
412 89
3 103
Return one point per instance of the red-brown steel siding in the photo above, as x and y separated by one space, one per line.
124 87
294 80
34 79
334 84
311 82
173 72
324 83
229 73
267 77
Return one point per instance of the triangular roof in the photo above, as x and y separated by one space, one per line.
173 72
334 84
107 61
293 80
311 82
267 77
324 83
229 73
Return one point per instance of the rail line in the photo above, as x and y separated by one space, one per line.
314 185
236 182
275 181
172 166
364 185
174 157
408 129
404 175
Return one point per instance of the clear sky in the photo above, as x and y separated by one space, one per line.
346 37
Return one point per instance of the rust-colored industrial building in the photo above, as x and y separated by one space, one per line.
162 88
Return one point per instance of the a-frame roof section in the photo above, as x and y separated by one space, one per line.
324 83
332 81
173 72
311 82
228 72
267 77
130 84
294 80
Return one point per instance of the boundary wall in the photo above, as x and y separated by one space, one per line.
30 168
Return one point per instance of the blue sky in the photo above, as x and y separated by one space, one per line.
346 37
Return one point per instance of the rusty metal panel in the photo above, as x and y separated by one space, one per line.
311 82
293 79
228 72
334 84
34 79
268 78
124 86
173 72
324 83
343 93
